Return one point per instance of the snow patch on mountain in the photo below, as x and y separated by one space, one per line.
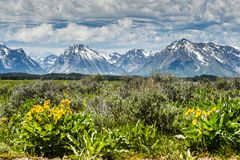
237 55
113 57
85 52
46 62
132 60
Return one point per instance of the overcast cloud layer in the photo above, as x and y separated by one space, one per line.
48 26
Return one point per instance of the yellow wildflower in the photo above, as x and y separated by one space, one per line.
38 117
205 113
194 121
65 93
29 117
46 104
208 113
57 113
65 102
213 109
198 113
2 120
37 109
189 111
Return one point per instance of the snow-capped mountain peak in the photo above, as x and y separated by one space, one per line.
186 58
84 51
185 46
16 60
81 59
135 52
180 43
3 45
77 46
184 40
20 50
3 49
182 58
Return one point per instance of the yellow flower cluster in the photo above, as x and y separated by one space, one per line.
3 120
189 111
39 111
57 113
35 109
194 121
197 113
65 102
46 104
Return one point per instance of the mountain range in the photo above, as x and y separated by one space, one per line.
181 58
16 60
185 58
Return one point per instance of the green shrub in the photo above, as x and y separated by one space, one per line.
153 107
114 119
140 137
4 148
43 130
3 129
111 144
215 128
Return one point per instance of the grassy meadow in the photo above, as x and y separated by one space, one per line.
160 117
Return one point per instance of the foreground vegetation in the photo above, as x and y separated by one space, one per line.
160 117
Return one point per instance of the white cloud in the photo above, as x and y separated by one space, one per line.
71 10
150 24
35 34
122 31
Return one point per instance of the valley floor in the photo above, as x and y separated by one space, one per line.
160 117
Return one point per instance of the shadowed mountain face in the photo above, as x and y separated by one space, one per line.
185 58
17 61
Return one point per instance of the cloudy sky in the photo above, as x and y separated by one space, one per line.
43 27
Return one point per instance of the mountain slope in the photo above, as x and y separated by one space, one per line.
113 57
185 58
132 60
17 61
81 59
47 63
